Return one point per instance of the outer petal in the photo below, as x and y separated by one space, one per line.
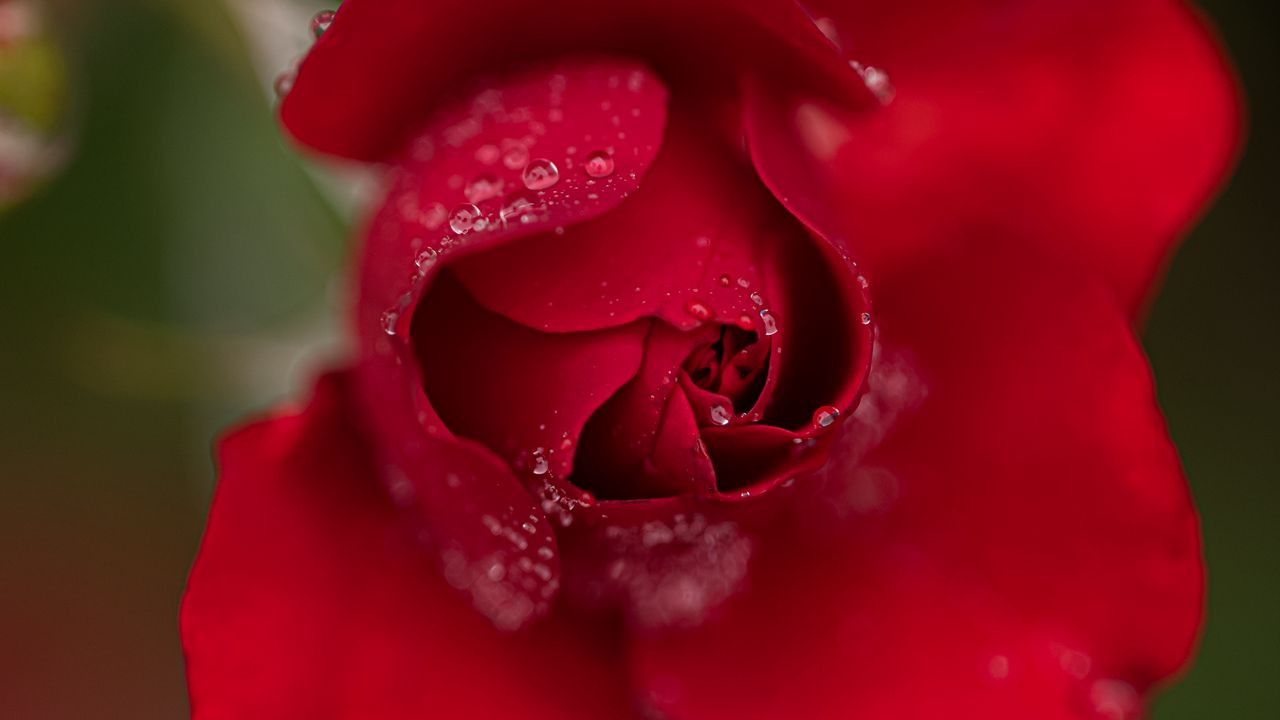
474 504
312 598
1094 129
384 64
1005 530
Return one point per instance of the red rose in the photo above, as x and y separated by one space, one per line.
625 436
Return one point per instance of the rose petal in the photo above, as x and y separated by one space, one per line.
410 243
1096 130
382 67
1005 518
312 597
642 443
700 214
523 393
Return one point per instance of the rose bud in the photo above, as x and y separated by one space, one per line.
706 370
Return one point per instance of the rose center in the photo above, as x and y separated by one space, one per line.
735 365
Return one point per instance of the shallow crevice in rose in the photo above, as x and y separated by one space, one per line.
524 393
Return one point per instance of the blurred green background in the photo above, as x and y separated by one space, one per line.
178 271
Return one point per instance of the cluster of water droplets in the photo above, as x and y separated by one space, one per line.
526 204
673 573
1096 696
319 25
513 583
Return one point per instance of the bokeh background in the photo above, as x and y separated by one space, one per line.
182 268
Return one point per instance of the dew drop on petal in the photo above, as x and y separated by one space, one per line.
389 320
538 464
434 216
540 174
757 298
725 281
769 321
283 84
825 416
488 154
463 218
699 310
720 415
517 207
598 164
876 80
425 259
865 318
998 667
1115 700
321 21
515 157
483 187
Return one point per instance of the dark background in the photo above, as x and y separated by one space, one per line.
177 271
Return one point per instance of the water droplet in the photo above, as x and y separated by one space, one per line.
1115 700
389 320
876 80
538 464
599 164
425 259
284 84
770 322
515 156
463 218
699 310
757 298
321 21
488 154
865 318
998 667
434 216
482 187
720 415
725 281
541 174
825 416
517 208
546 553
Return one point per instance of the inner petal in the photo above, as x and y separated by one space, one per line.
645 441
523 393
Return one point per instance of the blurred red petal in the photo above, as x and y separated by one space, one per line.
1096 130
313 597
